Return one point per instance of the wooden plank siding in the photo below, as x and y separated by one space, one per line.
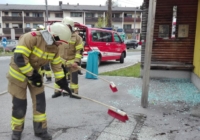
173 53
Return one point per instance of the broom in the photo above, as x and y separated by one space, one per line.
112 111
111 84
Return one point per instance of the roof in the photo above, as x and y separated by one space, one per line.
66 7
97 8
23 7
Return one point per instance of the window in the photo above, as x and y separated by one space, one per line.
76 14
101 36
35 25
100 14
28 25
0 25
116 15
0 14
6 13
89 15
16 14
116 37
127 15
7 25
37 15
127 26
59 15
27 14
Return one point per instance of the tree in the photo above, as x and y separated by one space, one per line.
100 23
114 3
109 14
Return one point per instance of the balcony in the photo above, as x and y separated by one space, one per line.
130 19
10 18
116 19
33 19
131 30
91 19
17 30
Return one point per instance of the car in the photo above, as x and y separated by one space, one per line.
131 43
107 42
11 45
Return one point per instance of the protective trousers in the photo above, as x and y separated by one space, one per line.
19 101
47 71
73 73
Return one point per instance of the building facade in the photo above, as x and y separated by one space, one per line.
23 18
176 43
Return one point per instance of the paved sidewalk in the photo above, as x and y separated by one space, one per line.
166 118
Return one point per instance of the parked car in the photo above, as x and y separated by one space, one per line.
11 45
107 42
131 43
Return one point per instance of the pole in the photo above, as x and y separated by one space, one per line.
134 24
148 51
47 14
109 13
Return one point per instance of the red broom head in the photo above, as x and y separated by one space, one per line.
118 116
113 87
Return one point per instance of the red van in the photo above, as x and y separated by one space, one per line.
107 42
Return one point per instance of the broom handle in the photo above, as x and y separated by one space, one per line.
110 107
93 74
88 72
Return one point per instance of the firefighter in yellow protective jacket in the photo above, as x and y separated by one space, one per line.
71 55
46 70
35 49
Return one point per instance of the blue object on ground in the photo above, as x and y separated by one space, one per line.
92 64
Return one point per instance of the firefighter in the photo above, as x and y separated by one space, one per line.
46 70
71 54
35 49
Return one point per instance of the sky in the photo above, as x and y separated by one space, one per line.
123 3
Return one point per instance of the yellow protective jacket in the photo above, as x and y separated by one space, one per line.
31 53
72 52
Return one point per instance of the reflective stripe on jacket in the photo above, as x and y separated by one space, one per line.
32 53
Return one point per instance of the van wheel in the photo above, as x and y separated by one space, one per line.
122 58
99 60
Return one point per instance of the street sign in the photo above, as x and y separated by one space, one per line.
4 41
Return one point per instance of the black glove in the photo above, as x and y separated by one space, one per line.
64 85
36 79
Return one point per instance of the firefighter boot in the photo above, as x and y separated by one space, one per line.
56 94
44 136
16 136
80 73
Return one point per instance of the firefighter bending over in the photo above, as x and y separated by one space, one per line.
35 49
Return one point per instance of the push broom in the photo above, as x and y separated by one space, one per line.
111 84
112 111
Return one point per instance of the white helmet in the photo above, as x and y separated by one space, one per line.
40 27
60 32
68 21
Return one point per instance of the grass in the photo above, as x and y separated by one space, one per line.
131 71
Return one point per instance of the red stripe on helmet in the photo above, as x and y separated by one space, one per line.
63 41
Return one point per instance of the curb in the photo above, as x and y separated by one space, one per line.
121 67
